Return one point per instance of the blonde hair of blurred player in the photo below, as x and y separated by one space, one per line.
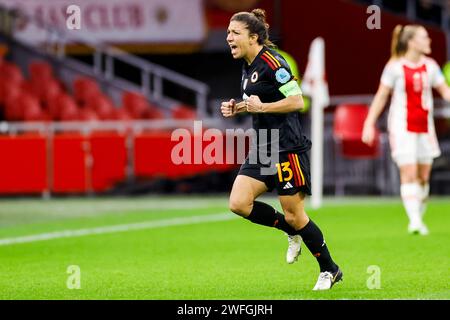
413 37
412 43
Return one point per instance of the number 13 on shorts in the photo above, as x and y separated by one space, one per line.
284 167
291 169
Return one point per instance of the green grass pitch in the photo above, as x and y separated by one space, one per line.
152 248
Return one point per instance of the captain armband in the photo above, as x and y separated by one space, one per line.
290 89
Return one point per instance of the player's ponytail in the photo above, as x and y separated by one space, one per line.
256 24
396 46
400 38
260 14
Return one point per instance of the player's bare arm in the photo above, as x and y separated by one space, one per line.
378 104
444 91
288 104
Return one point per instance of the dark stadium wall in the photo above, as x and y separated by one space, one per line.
355 55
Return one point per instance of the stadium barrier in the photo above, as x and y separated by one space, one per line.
80 157
23 164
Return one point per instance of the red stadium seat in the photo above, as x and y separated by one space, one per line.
102 105
22 106
27 86
84 88
153 114
7 90
62 103
51 91
40 70
65 108
10 72
44 90
184 112
356 162
13 109
136 104
348 125
121 114
34 112
88 115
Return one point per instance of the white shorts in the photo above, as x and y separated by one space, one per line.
413 148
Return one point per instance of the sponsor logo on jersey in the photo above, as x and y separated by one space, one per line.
282 75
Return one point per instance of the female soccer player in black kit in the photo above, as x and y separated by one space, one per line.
274 98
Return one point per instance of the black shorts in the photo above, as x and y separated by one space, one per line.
290 175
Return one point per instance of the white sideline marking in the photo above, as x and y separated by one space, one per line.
118 228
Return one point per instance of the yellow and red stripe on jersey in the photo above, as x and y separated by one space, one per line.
277 63
270 60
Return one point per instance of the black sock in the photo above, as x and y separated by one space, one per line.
313 239
266 215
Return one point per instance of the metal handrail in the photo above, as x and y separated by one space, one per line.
7 127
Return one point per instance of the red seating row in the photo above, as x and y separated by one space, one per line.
43 97
76 163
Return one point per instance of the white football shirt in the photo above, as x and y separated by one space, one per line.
411 106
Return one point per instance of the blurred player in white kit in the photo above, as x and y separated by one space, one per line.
410 76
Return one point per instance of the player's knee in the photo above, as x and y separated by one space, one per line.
409 177
289 217
240 206
424 178
297 219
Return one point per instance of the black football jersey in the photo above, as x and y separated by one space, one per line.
264 77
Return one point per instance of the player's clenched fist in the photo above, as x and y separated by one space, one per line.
228 108
254 104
